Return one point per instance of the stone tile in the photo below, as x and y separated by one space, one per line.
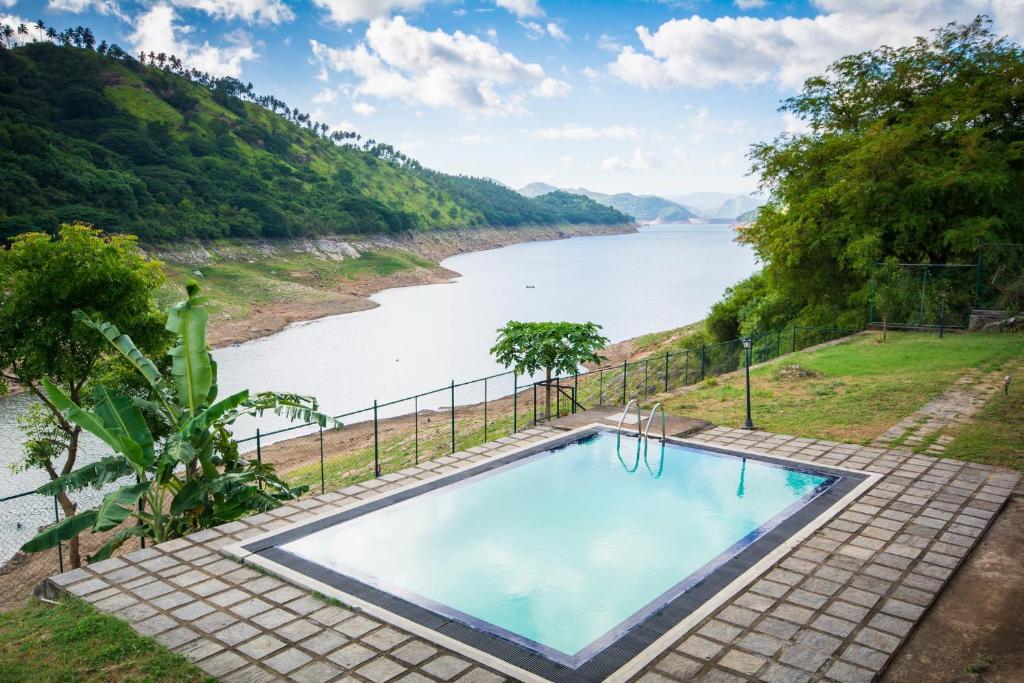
478 675
382 669
176 637
262 647
357 626
351 656
847 673
236 633
760 643
777 627
865 657
819 642
249 608
877 640
273 618
802 658
834 625
742 662
720 631
385 638
193 610
415 652
324 642
154 625
316 672
445 667
298 629
776 673
701 648
199 649
215 621
287 660
222 664
678 667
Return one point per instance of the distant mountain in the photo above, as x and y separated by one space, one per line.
734 207
748 216
644 208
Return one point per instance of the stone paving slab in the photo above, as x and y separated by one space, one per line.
835 608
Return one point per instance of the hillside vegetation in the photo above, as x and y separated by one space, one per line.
646 207
165 152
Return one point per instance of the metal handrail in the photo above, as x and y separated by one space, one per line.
625 411
651 419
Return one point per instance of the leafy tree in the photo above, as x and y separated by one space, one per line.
192 479
914 152
890 290
551 346
42 280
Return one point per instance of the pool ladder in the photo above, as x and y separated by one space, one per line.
642 437
645 432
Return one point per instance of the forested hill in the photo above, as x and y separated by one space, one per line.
93 134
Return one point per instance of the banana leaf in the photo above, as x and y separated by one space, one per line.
124 418
112 512
61 531
93 424
190 361
116 541
95 474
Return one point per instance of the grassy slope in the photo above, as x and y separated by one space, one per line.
862 387
996 435
72 641
235 286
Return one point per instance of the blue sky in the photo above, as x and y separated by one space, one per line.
640 96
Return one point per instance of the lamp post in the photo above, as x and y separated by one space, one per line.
747 343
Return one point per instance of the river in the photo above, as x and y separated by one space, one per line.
423 337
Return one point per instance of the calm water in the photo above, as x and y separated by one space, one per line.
547 548
421 338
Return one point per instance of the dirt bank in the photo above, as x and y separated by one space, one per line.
306 294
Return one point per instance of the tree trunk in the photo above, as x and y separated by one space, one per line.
547 394
68 507
884 326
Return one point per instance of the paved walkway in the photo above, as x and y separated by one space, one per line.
836 607
926 429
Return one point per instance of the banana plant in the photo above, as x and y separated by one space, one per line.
190 480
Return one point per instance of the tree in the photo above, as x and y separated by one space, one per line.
890 290
552 347
914 152
42 280
192 479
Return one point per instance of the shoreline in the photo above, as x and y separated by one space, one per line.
305 301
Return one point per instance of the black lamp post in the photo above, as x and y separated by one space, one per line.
747 343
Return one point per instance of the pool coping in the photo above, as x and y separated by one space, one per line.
249 552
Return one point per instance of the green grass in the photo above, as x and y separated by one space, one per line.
862 386
996 434
71 641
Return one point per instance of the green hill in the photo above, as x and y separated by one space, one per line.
166 153
648 208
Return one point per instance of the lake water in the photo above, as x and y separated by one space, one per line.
422 338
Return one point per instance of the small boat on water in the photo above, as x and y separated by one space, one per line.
530 287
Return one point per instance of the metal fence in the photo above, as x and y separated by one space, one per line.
942 295
389 436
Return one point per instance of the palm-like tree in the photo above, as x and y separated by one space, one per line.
51 33
22 30
7 33
41 28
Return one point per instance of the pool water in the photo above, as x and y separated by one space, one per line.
565 549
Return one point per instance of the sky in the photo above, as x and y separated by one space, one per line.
643 96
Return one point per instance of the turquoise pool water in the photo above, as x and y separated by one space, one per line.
563 549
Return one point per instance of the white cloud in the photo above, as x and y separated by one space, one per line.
608 42
638 162
573 132
437 69
325 96
590 74
567 160
533 29
78 6
743 51
156 31
703 124
521 8
349 11
252 11
750 4
556 32
14 22
472 139
7 3
363 108
794 124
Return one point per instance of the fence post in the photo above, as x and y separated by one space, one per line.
259 453
575 390
702 349
60 547
977 278
534 404
515 402
686 368
453 416
600 387
623 382
416 422
322 482
485 410
666 371
778 344
376 443
647 376
794 338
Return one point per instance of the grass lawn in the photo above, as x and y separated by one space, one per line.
855 390
996 435
72 641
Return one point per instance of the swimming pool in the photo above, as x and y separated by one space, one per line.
565 559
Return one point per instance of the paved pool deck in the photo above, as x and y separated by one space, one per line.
834 608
